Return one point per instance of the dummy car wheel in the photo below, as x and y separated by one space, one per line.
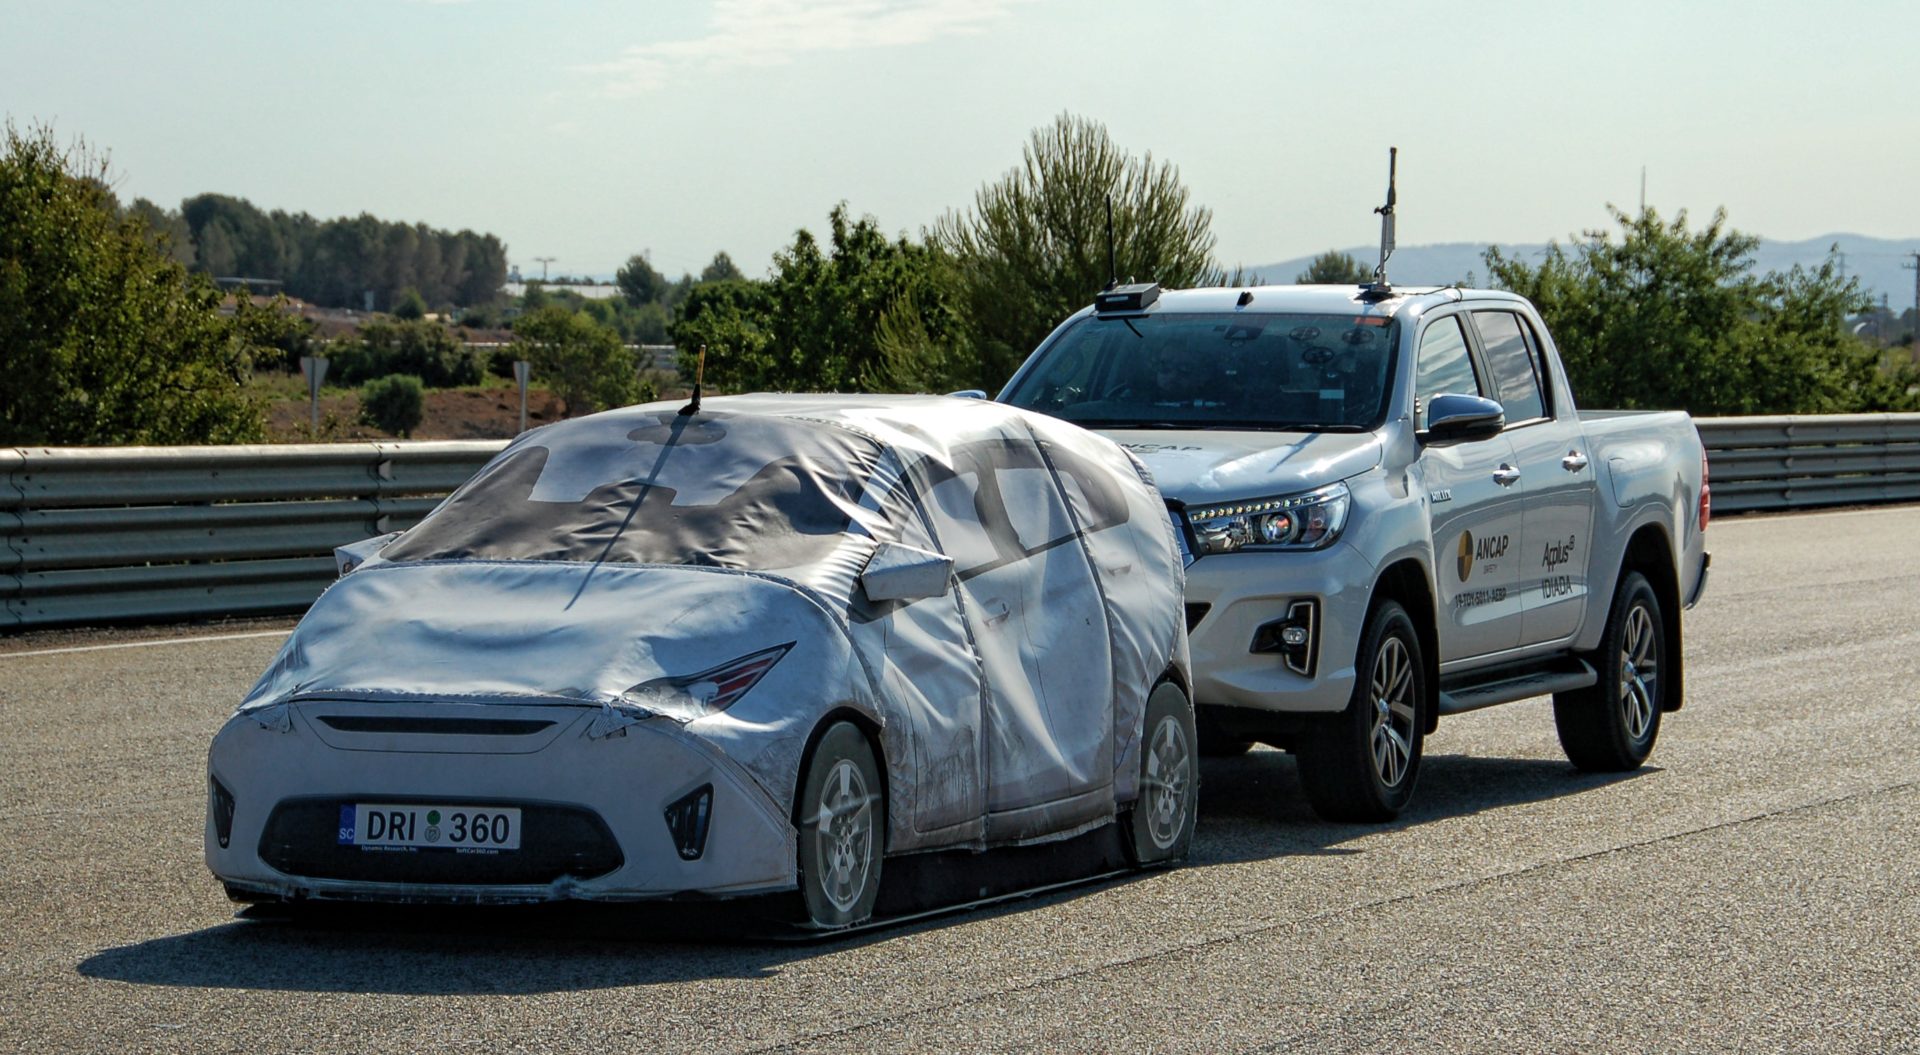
841 819
1159 826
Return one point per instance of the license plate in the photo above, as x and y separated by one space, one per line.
391 826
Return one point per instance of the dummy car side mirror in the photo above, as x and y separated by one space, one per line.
904 573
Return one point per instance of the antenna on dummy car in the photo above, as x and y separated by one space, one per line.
699 375
1379 288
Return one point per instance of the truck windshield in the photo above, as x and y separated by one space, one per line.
1227 371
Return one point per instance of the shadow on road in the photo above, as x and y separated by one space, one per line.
452 951
1252 808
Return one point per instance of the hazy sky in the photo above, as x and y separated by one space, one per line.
589 130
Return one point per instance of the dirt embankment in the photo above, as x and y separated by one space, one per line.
450 414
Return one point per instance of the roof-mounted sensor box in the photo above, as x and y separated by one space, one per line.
1134 297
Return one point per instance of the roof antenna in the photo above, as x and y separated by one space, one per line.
1113 269
1380 289
699 375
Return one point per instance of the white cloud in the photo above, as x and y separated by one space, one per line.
775 32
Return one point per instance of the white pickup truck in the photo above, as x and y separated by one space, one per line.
1393 512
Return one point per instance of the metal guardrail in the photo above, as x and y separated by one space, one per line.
148 533
143 533
1799 462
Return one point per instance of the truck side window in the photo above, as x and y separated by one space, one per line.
1444 366
1512 363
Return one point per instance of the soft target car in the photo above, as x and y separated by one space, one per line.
747 648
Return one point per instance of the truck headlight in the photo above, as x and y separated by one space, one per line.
1300 521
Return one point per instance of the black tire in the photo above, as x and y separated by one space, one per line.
1158 827
1611 727
1214 743
842 824
1361 764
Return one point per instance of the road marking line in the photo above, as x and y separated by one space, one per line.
146 644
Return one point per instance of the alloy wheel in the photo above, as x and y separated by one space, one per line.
845 834
1392 691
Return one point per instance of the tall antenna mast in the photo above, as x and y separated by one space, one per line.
1113 268
1380 287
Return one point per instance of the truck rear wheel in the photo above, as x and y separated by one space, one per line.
1361 764
1611 727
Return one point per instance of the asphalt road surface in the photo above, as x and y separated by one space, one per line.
1752 889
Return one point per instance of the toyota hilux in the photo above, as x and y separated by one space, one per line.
1393 512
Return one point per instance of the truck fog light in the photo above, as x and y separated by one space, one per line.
1295 639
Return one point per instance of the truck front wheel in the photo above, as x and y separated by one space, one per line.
1611 726
1360 764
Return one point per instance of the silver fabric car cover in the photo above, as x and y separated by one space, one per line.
608 560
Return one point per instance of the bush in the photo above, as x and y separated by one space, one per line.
395 403
410 305
423 348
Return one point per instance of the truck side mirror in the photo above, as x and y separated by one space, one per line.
904 573
1456 418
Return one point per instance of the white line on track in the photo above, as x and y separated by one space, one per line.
145 644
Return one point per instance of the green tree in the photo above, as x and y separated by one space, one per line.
1334 268
395 403
1672 317
639 282
732 319
175 237
1034 247
409 305
720 269
277 334
106 339
338 262
580 360
817 324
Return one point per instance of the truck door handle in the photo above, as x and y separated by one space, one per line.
1574 462
1506 475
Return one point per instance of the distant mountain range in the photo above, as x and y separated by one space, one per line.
1875 261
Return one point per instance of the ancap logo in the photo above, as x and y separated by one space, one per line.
1463 563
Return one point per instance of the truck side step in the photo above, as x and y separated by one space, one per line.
1539 677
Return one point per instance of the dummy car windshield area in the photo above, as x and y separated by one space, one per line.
722 492
1230 370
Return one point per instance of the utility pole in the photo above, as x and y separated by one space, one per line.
543 262
1915 268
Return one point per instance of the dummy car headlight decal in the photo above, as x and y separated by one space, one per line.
691 696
